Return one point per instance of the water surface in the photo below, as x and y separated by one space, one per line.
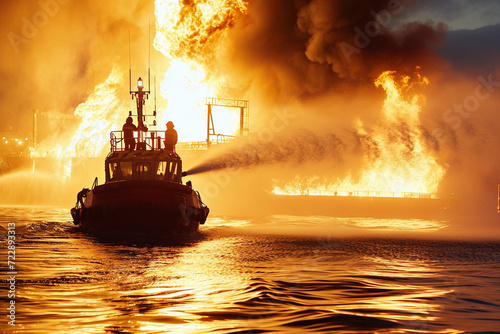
278 274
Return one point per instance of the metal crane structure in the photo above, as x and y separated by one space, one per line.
242 105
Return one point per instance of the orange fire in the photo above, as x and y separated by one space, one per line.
402 167
190 30
189 33
104 111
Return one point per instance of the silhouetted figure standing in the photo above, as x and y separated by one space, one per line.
128 134
170 137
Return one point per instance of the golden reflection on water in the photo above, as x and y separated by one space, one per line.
135 288
412 303
417 225
212 280
232 278
387 224
209 274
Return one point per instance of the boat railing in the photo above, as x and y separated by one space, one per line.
144 140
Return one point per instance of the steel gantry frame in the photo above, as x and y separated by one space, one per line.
243 105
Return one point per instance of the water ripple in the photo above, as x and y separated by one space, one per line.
226 280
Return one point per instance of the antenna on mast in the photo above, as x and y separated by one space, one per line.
140 95
149 57
149 69
129 66
154 111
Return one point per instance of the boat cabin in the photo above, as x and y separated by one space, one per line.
150 162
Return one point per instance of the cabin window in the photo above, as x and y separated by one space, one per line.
143 171
113 172
178 173
126 169
170 171
162 170
174 171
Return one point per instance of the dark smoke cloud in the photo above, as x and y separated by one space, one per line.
355 37
309 48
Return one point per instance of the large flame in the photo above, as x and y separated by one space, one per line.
188 33
103 112
397 163
190 30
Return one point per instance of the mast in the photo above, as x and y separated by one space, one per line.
139 97
140 94
129 65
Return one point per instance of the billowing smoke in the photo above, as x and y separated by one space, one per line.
358 38
309 48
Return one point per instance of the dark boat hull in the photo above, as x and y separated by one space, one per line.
141 207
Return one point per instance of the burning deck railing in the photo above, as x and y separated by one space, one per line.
192 146
352 193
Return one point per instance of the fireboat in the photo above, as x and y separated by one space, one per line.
143 192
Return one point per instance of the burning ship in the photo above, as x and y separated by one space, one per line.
143 192
399 176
